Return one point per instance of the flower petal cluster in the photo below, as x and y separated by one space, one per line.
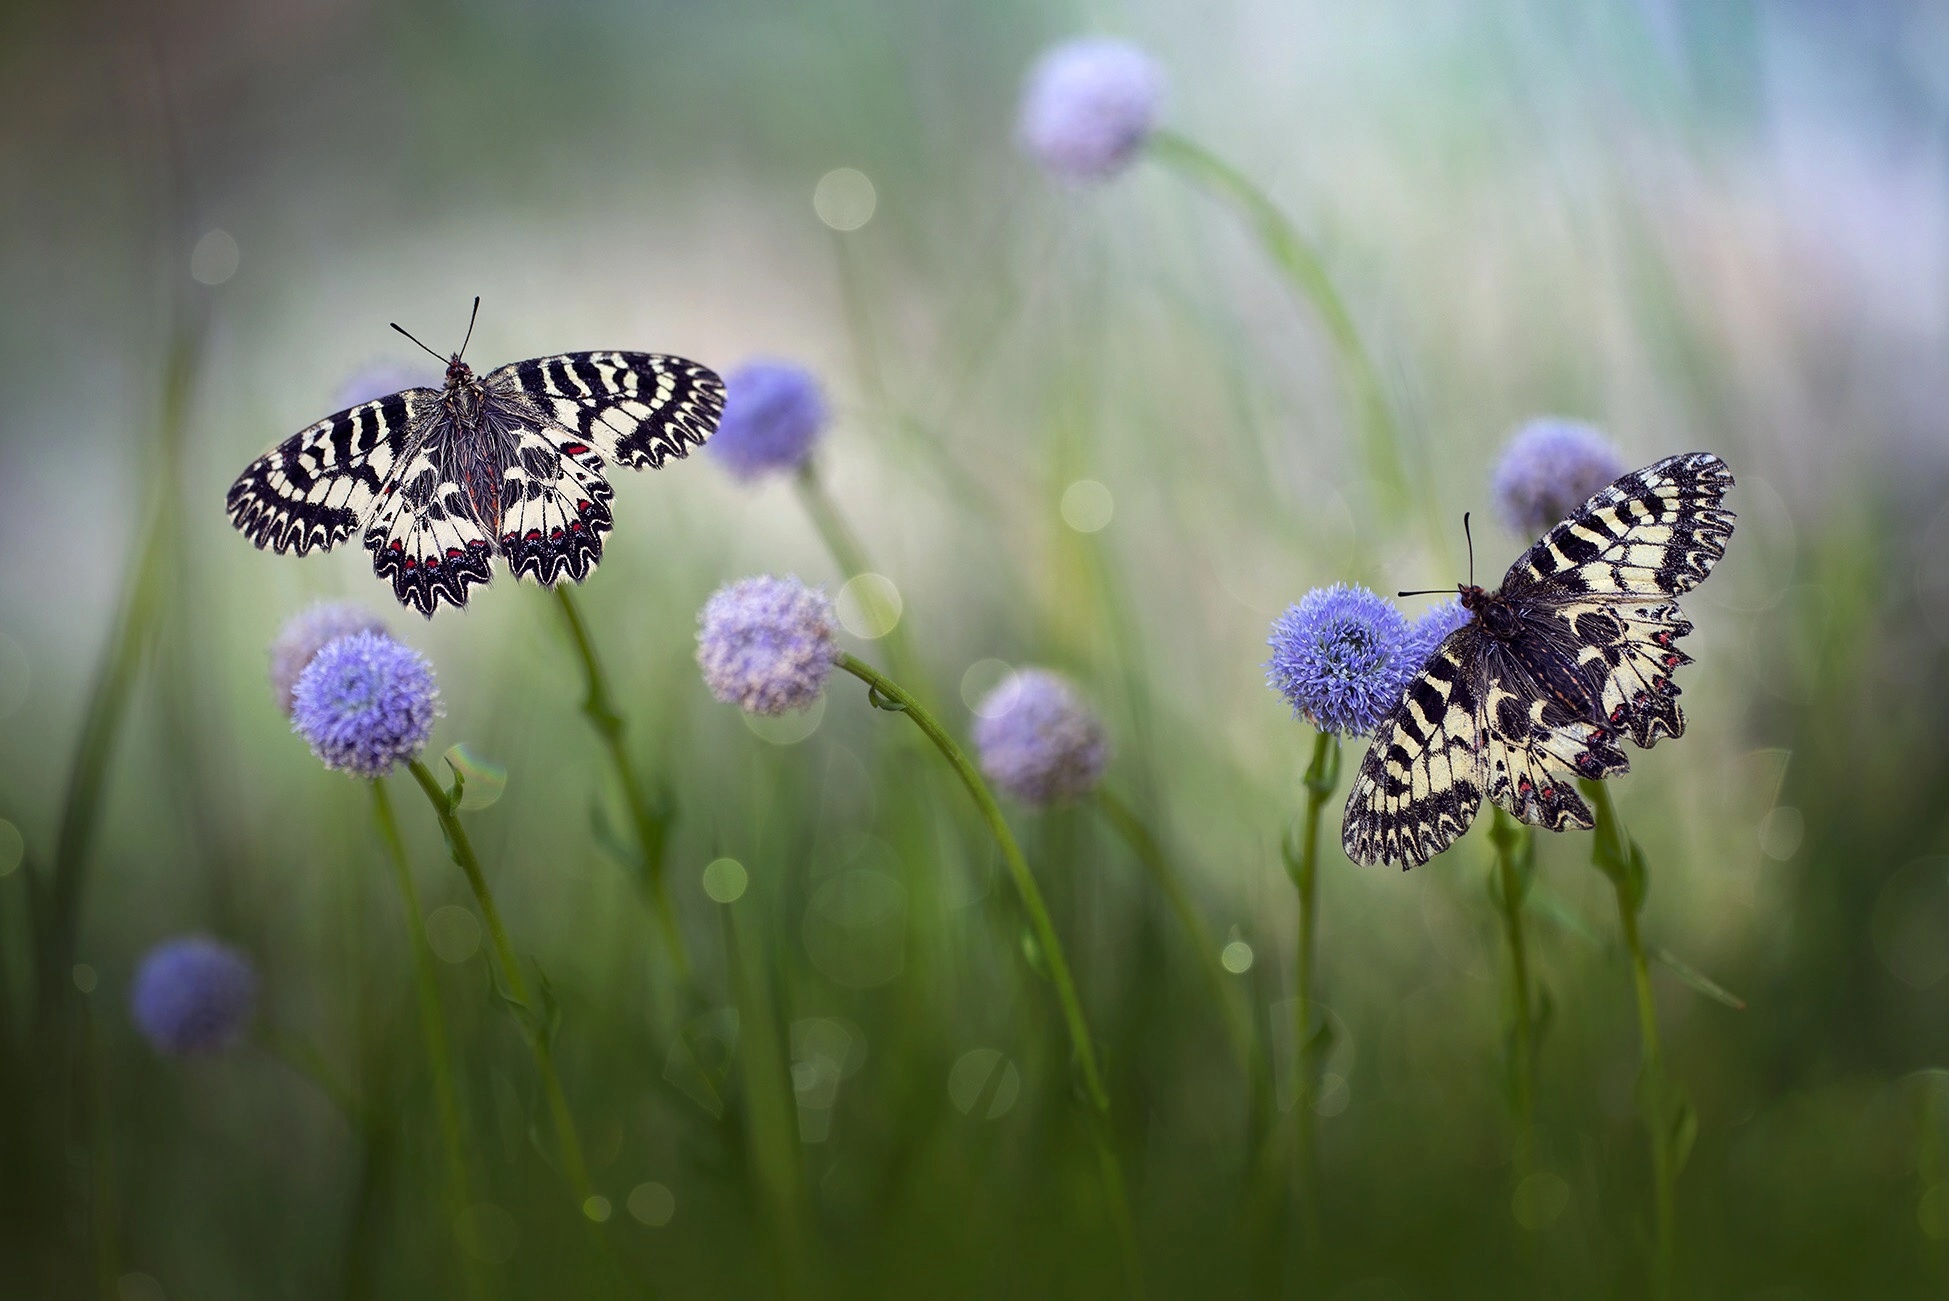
767 644
1088 107
1342 657
1550 467
1432 628
306 633
366 704
1038 741
774 413
193 995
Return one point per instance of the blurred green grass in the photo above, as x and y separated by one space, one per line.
1719 230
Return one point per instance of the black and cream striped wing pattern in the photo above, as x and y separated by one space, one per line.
634 408
1585 662
315 489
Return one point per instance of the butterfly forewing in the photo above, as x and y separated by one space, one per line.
1585 660
315 489
635 408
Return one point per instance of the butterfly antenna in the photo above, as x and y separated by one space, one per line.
470 327
1471 541
403 330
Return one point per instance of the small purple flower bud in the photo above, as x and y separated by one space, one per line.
1549 468
193 995
766 644
1038 741
773 416
305 634
1088 106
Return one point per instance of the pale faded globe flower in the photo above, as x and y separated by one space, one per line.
366 704
1550 467
306 633
1038 741
1088 107
1342 657
193 995
379 379
767 644
1432 628
774 413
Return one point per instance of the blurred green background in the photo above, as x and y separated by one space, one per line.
1719 227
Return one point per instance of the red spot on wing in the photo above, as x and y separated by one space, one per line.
574 449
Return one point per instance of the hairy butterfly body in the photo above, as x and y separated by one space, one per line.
439 481
1570 657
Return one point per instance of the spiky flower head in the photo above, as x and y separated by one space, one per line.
366 704
1088 106
1341 657
1432 628
774 413
1549 467
766 644
1038 741
304 634
193 995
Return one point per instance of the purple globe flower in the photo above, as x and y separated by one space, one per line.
1549 468
766 644
306 633
366 704
1341 657
193 995
1088 106
1432 628
1038 741
773 415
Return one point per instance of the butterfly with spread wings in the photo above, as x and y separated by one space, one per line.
510 463
1570 657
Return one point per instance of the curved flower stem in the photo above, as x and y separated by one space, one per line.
574 1168
1620 859
446 1098
1237 1025
1515 860
889 695
651 827
1306 275
1302 862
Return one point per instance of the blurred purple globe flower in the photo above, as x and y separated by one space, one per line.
773 415
766 644
1038 741
193 995
366 704
1432 628
306 633
376 379
1088 106
1548 468
1341 657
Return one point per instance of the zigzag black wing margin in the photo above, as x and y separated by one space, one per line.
635 408
1422 779
315 489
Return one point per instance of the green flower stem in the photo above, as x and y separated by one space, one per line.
847 552
1128 825
1302 862
446 1098
895 697
461 848
652 828
1306 275
1515 858
1620 859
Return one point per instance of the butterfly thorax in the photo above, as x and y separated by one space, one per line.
1493 611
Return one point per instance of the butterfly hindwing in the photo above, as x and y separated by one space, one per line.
635 408
554 507
1421 782
1534 748
316 488
425 539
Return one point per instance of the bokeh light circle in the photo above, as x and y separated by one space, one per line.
845 198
